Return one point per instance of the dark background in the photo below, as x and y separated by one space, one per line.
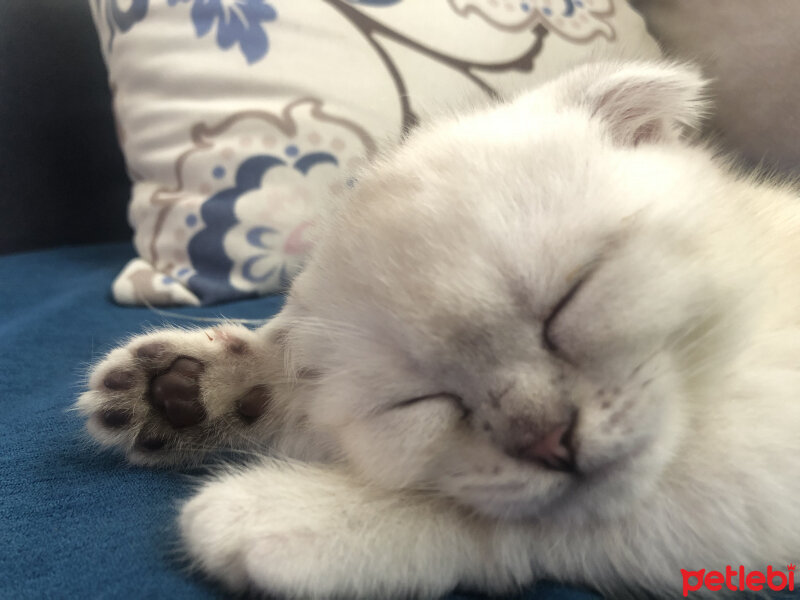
62 176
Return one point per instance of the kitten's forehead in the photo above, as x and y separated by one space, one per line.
497 173
471 228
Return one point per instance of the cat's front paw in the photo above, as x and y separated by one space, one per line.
304 532
171 396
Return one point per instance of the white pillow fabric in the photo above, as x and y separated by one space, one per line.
238 118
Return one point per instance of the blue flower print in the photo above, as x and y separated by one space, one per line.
238 21
213 266
124 19
258 237
121 19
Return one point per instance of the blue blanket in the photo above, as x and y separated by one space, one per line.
74 522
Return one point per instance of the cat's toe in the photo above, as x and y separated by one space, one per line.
254 403
119 380
149 439
146 398
172 396
150 381
114 418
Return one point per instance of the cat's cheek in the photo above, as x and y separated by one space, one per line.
626 444
396 447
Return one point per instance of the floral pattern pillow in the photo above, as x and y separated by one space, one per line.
238 118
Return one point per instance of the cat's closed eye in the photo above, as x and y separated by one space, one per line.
455 398
547 337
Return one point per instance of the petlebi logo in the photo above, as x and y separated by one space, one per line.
737 579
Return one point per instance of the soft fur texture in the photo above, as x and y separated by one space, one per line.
566 273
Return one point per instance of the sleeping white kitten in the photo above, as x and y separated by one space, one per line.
547 339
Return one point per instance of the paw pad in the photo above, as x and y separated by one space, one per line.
115 417
149 441
253 404
176 393
151 350
173 397
232 343
119 380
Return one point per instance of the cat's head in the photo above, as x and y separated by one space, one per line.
509 308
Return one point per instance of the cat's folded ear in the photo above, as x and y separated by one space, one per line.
638 102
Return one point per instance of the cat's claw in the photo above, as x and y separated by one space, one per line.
171 396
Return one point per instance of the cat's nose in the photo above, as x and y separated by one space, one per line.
554 450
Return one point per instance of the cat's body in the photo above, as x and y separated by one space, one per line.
548 339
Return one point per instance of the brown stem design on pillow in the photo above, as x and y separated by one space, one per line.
369 28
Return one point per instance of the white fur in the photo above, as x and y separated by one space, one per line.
435 277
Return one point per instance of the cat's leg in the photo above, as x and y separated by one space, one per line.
306 531
170 396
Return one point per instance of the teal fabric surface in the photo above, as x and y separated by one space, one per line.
76 523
